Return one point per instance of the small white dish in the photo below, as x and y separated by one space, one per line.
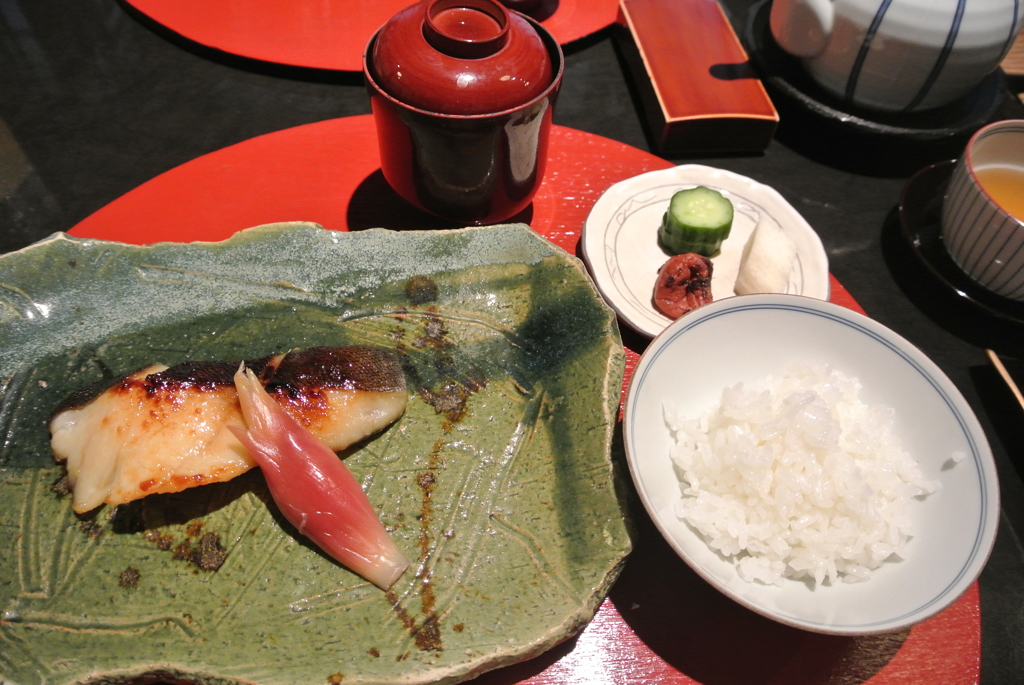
749 337
620 239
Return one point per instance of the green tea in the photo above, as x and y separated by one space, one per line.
1005 185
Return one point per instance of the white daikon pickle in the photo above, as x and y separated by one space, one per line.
766 261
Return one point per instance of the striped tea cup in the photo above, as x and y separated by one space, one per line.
983 209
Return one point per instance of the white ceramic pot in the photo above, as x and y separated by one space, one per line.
897 55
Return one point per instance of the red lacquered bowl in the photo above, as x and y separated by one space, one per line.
478 166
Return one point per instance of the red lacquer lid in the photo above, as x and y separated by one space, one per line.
460 57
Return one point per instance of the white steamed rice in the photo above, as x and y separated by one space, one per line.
797 478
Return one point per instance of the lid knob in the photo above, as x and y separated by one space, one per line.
461 57
468 29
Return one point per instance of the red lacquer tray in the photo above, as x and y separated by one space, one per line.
328 34
661 623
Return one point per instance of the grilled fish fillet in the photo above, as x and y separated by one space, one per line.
165 429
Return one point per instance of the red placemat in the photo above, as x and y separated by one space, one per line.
328 34
661 623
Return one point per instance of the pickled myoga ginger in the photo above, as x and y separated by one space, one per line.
163 429
314 489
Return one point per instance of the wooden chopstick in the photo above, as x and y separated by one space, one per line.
1013 63
998 363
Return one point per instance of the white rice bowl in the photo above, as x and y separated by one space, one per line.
944 537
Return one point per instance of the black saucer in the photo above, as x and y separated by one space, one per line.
920 211
784 77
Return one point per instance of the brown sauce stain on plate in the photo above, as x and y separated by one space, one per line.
427 634
420 290
163 542
129 578
450 393
208 554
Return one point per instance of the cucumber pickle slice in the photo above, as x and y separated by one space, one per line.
698 220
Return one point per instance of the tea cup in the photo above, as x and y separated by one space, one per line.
983 209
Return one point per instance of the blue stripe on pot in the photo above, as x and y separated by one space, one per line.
954 29
865 48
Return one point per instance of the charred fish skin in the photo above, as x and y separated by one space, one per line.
356 367
163 430
87 393
341 394
201 375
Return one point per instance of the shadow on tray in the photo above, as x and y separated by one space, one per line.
375 204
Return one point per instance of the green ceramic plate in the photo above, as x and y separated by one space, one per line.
497 481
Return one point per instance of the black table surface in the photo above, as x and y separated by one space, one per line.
95 100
